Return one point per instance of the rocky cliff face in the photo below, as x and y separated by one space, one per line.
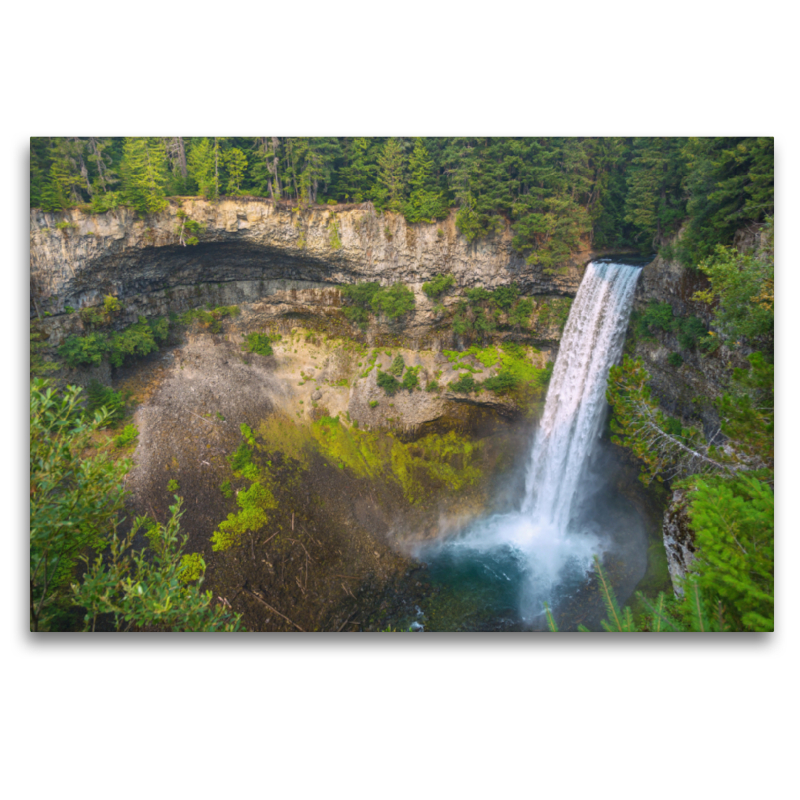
253 240
687 391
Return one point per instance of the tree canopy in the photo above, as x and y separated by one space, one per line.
557 193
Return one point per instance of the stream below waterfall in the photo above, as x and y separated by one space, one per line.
498 572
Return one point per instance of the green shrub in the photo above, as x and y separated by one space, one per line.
479 295
69 310
38 366
360 295
502 383
462 323
395 301
514 350
465 384
483 323
173 485
226 489
83 351
439 285
657 316
520 314
388 382
373 403
506 296
675 359
411 379
134 341
258 343
129 433
397 366
433 386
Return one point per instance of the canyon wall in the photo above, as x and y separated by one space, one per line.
253 240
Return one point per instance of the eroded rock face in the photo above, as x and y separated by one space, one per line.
678 539
253 240
687 391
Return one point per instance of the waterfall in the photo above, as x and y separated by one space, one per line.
576 399
546 548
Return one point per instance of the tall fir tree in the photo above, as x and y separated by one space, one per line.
204 166
143 171
235 162
425 202
357 176
391 188
54 194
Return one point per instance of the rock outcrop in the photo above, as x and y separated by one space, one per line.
253 240
678 539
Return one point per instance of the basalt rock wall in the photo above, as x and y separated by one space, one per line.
255 240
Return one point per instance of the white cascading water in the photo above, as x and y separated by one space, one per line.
573 413
544 542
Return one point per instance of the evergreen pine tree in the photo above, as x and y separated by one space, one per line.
425 202
235 162
390 187
318 169
357 176
204 166
54 195
144 172
41 159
